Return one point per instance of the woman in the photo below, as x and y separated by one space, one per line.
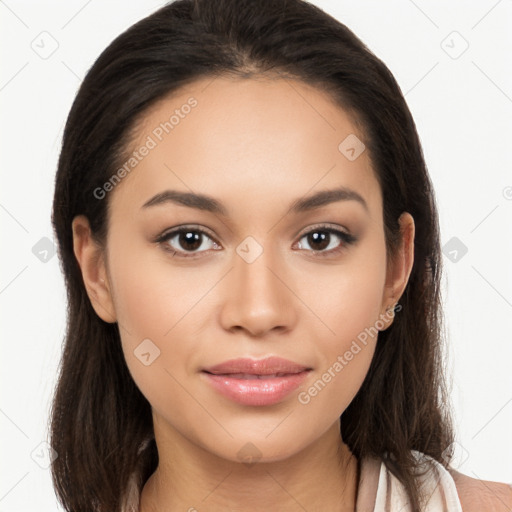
250 244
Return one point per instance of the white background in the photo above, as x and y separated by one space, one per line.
463 110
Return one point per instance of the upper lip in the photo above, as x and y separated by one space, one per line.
267 366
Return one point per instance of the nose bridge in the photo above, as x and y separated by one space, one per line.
256 298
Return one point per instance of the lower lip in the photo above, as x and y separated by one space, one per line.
266 391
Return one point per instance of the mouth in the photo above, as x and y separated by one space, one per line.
269 366
256 382
252 376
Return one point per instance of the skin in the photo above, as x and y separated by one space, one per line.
256 145
477 495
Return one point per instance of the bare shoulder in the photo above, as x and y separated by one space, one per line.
478 495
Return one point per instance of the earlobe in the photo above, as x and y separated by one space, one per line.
91 259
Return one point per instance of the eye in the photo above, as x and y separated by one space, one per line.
187 240
322 240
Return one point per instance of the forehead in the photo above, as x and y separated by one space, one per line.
224 136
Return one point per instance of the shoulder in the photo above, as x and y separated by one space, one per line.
477 495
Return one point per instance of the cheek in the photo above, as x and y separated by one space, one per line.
152 294
334 385
344 357
347 298
348 303
155 304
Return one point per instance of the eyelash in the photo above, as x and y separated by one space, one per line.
346 238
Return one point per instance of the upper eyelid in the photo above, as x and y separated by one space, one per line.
301 233
336 230
174 231
326 226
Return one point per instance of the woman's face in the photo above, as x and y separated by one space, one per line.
259 273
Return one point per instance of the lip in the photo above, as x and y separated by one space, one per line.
254 381
266 366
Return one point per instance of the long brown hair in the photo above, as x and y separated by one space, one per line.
99 418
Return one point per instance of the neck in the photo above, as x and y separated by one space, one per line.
322 476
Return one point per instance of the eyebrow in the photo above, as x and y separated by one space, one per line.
210 204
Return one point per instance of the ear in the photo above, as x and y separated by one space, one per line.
91 259
399 269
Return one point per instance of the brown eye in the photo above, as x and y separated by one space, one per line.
318 240
326 241
187 240
190 240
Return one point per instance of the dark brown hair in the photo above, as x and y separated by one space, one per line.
99 418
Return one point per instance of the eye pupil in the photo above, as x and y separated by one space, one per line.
190 237
317 237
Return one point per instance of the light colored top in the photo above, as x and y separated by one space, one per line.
379 490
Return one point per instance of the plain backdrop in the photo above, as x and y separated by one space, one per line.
452 61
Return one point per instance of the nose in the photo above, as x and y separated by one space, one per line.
257 298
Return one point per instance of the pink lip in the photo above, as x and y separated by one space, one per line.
266 366
253 382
